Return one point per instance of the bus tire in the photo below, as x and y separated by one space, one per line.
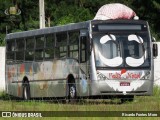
26 91
72 94
128 98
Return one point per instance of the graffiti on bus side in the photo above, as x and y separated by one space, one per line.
56 69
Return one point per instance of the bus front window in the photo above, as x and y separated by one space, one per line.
107 50
121 50
134 51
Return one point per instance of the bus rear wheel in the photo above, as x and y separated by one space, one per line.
26 91
72 95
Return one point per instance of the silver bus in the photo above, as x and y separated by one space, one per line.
86 59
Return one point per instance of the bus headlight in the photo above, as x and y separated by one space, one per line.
146 76
100 76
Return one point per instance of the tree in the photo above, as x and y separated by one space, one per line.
59 12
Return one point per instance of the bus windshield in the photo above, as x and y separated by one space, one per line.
121 49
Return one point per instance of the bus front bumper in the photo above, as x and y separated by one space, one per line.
114 87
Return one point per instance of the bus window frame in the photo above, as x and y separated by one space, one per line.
58 45
85 49
21 50
50 47
30 50
39 48
12 51
69 45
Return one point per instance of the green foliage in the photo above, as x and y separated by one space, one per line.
65 19
4 96
2 39
156 91
62 12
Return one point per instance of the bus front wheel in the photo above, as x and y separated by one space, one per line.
26 91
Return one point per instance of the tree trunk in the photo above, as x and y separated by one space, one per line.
49 21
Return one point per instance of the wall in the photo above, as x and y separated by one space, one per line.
157 67
2 68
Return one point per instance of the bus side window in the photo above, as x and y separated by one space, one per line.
39 54
30 43
61 45
11 45
20 44
20 47
29 53
73 44
10 50
83 49
49 47
40 42
39 50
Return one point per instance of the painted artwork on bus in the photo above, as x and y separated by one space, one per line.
56 69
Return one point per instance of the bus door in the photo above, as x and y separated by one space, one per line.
84 64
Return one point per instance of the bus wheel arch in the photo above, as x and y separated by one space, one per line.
26 89
71 89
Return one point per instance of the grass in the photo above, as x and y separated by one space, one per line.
140 103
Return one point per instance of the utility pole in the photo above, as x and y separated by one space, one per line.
41 14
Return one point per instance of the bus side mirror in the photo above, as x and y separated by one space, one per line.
153 39
155 50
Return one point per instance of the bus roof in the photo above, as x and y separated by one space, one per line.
68 27
49 30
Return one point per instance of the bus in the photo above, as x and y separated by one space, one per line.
95 58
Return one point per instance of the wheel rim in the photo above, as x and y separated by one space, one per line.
72 92
25 93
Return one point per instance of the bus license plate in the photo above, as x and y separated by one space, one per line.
124 83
